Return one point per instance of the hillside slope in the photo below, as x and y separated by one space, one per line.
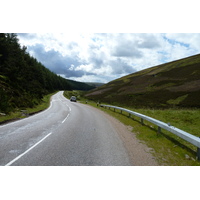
172 84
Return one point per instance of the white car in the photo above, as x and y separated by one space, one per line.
73 98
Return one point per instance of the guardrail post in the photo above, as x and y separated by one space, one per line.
142 121
198 153
159 129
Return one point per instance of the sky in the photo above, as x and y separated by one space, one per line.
102 40
103 57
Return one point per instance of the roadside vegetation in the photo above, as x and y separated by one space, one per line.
19 113
168 149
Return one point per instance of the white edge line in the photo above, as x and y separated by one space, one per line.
18 157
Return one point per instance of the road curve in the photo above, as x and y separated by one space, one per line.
66 134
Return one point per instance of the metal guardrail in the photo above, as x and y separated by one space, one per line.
182 134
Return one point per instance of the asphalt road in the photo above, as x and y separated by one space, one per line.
66 134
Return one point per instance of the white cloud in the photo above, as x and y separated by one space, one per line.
107 56
87 68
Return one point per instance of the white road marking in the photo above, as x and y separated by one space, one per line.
69 108
67 114
18 157
65 119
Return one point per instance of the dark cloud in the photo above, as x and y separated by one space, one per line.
148 41
57 63
130 46
96 56
121 67
126 48
97 62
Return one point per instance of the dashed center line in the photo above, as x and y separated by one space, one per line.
69 108
21 155
67 114
65 119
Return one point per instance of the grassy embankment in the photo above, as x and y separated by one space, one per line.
18 114
169 149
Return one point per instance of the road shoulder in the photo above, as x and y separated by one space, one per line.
139 153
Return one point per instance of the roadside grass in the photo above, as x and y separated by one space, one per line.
18 114
42 106
169 149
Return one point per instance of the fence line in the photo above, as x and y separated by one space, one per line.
182 134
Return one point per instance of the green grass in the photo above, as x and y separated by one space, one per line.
42 106
185 119
177 100
17 114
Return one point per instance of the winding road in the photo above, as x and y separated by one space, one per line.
66 134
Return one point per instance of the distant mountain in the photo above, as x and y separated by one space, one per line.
94 84
174 84
76 85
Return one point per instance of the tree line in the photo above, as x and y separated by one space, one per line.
23 80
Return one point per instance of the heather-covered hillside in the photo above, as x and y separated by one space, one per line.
174 84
